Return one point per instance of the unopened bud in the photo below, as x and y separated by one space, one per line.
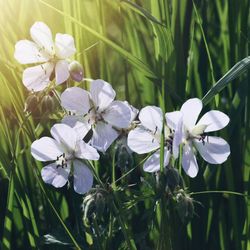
48 103
94 204
185 207
123 154
100 203
76 71
31 103
173 179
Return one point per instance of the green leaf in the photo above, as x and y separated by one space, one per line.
141 11
238 69
6 241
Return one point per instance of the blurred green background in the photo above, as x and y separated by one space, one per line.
137 46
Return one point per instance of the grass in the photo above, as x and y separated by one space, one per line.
153 52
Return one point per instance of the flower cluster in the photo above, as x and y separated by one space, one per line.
181 129
97 111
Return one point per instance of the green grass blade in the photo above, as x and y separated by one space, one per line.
6 241
141 11
237 70
58 216
127 55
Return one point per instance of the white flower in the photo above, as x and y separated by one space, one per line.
214 150
98 111
122 141
65 149
43 50
147 137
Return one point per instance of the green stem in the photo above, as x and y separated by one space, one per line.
220 192
113 170
164 242
99 239
125 229
110 232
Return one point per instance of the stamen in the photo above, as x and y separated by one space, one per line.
202 138
90 109
45 72
156 128
61 161
169 142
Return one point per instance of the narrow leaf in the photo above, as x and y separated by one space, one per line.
238 69
127 55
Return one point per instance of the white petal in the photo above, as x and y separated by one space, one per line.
178 137
215 120
133 111
80 126
62 71
37 78
71 120
85 151
83 177
191 110
46 149
151 118
141 141
28 52
189 162
173 119
81 129
75 100
175 122
65 135
41 35
102 94
55 176
103 136
118 114
65 46
152 164
214 150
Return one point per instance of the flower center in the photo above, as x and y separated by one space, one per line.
61 161
203 137
93 116
51 56
169 142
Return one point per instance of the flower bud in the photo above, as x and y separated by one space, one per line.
76 71
94 204
173 179
48 103
100 203
87 207
31 103
123 154
185 206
